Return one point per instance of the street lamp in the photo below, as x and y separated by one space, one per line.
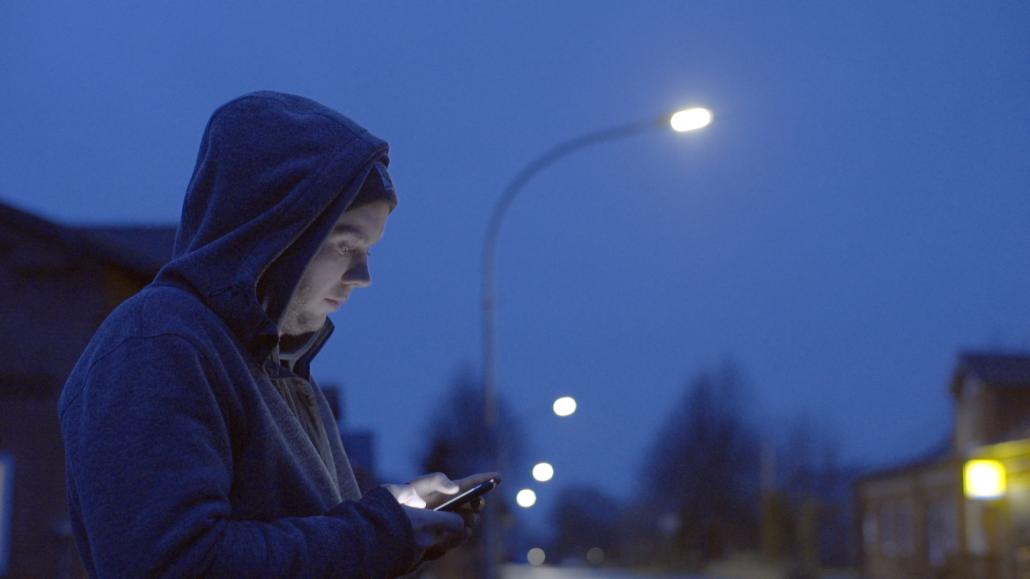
681 121
543 472
536 556
526 498
690 119
564 406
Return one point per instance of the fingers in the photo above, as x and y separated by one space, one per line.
475 506
432 489
473 480
435 529
428 485
447 522
437 532
406 495
470 518
470 515
450 531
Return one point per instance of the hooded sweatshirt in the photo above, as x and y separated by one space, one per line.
192 447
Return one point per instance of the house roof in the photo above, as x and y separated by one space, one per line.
996 369
941 452
140 250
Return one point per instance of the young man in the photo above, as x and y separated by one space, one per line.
197 442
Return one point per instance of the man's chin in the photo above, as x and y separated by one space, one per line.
315 324
305 325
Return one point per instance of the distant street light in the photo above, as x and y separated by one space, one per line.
536 556
543 472
526 498
565 406
685 120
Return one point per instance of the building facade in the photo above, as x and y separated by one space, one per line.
928 518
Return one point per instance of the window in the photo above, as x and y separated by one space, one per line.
941 531
903 521
886 527
895 526
869 530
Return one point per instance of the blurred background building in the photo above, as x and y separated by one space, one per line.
946 515
57 285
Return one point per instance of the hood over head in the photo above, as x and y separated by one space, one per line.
273 175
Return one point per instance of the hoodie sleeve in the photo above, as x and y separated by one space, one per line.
150 469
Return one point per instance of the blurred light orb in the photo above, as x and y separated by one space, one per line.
565 406
543 472
595 556
691 119
536 556
526 498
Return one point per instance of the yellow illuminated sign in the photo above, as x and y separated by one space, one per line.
984 479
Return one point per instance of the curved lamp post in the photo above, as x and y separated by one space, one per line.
681 121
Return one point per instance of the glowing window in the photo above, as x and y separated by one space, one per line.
984 479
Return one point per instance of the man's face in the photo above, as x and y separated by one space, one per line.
339 265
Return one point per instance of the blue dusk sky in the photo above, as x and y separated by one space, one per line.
857 215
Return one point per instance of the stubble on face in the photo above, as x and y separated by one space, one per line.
298 319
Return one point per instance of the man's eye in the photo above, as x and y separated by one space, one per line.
344 250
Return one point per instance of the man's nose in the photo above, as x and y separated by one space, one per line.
358 275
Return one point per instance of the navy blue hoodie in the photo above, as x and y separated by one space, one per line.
187 450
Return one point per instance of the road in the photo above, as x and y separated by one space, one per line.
547 572
724 572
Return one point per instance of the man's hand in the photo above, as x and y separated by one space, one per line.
434 488
430 490
470 511
436 532
406 495
434 536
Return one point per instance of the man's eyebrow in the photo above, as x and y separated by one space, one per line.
345 229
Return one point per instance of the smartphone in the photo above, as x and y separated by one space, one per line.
467 496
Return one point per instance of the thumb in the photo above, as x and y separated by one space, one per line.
406 495
435 483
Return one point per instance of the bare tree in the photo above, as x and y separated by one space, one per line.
457 438
703 468
817 488
458 444
584 519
